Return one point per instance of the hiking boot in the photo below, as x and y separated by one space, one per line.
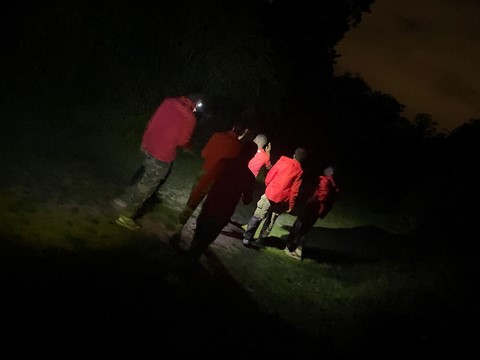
247 243
127 222
292 254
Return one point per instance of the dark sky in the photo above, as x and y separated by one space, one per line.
425 53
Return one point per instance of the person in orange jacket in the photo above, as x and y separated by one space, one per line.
221 145
283 183
171 127
316 207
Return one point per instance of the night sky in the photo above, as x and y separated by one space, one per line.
424 53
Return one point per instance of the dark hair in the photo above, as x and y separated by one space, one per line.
196 97
300 154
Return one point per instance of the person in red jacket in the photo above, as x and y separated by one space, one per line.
262 156
171 127
221 145
235 182
316 207
282 186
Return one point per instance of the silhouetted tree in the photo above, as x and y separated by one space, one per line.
425 126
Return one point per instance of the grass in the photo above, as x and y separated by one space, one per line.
74 278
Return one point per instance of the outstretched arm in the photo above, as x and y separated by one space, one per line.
268 163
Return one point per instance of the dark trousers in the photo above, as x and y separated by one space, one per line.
302 225
206 231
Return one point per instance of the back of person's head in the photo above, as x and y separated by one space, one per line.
195 96
328 170
261 140
300 155
247 151
198 99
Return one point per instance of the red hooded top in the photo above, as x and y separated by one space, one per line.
171 126
325 194
261 158
283 181
220 145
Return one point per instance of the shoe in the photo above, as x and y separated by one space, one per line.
127 222
298 252
292 254
246 243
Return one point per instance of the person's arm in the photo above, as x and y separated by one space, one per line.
186 132
268 163
245 132
270 175
188 150
294 191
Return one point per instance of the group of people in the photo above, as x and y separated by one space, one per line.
232 161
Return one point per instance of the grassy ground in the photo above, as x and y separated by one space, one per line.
76 283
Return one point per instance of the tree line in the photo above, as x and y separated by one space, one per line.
271 61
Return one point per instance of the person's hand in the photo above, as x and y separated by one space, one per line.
289 210
243 135
268 147
189 151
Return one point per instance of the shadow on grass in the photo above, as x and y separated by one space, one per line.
352 245
359 244
232 234
120 302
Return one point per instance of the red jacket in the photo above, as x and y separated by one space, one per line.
260 159
234 183
171 126
220 145
325 194
283 181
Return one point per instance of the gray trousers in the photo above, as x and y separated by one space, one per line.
147 180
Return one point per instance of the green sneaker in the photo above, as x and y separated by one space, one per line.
127 222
